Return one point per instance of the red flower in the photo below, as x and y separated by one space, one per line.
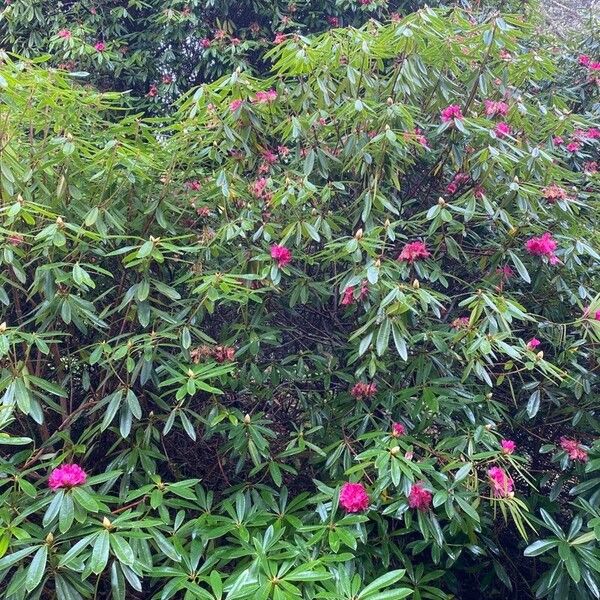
333 21
414 251
508 446
67 476
398 429
279 38
224 354
419 497
193 185
502 129
500 482
573 449
544 245
354 497
348 297
451 112
281 254
505 272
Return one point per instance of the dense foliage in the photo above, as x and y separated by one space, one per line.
328 334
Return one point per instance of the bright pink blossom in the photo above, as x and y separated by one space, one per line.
398 429
152 91
205 43
193 185
457 182
597 315
500 482
533 343
584 60
544 245
279 38
573 146
493 108
419 497
281 254
502 129
235 104
362 390
354 497
265 97
506 272
573 449
67 476
508 446
333 21
554 192
100 46
65 34
557 140
451 112
594 66
414 251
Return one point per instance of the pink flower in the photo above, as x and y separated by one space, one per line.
597 315
281 254
533 343
414 251
508 446
593 133
557 140
451 112
152 91
193 185
554 192
584 60
258 188
506 272
348 297
362 390
544 245
500 482
16 239
235 105
65 34
67 476
354 497
398 429
223 354
502 129
419 497
493 108
265 97
573 449
590 167
458 180
333 21
279 38
573 146
100 46
205 43
594 66
270 157
460 323
365 2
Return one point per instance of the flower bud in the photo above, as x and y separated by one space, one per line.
247 419
49 539
416 284
387 127
390 101
539 355
387 223
60 222
408 455
378 263
358 235
511 494
106 523
191 374
395 450
3 327
441 201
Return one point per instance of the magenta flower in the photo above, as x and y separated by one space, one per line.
506 272
502 129
348 297
100 46
414 251
354 497
451 112
65 34
493 108
235 105
281 255
419 497
557 140
265 97
508 446
573 449
544 245
533 343
398 429
584 60
205 43
573 146
67 476
597 316
500 482
362 390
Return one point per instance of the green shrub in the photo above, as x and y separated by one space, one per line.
294 284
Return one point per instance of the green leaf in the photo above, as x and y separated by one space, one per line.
36 568
100 549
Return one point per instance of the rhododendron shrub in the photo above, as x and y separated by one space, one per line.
194 403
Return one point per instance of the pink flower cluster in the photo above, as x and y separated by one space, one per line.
493 108
100 46
223 353
502 485
281 255
505 271
508 446
419 497
414 251
193 185
398 429
586 61
457 182
67 476
333 21
573 449
544 245
460 323
362 390
554 192
354 497
502 129
259 190
348 297
533 343
65 34
265 97
235 104
451 112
